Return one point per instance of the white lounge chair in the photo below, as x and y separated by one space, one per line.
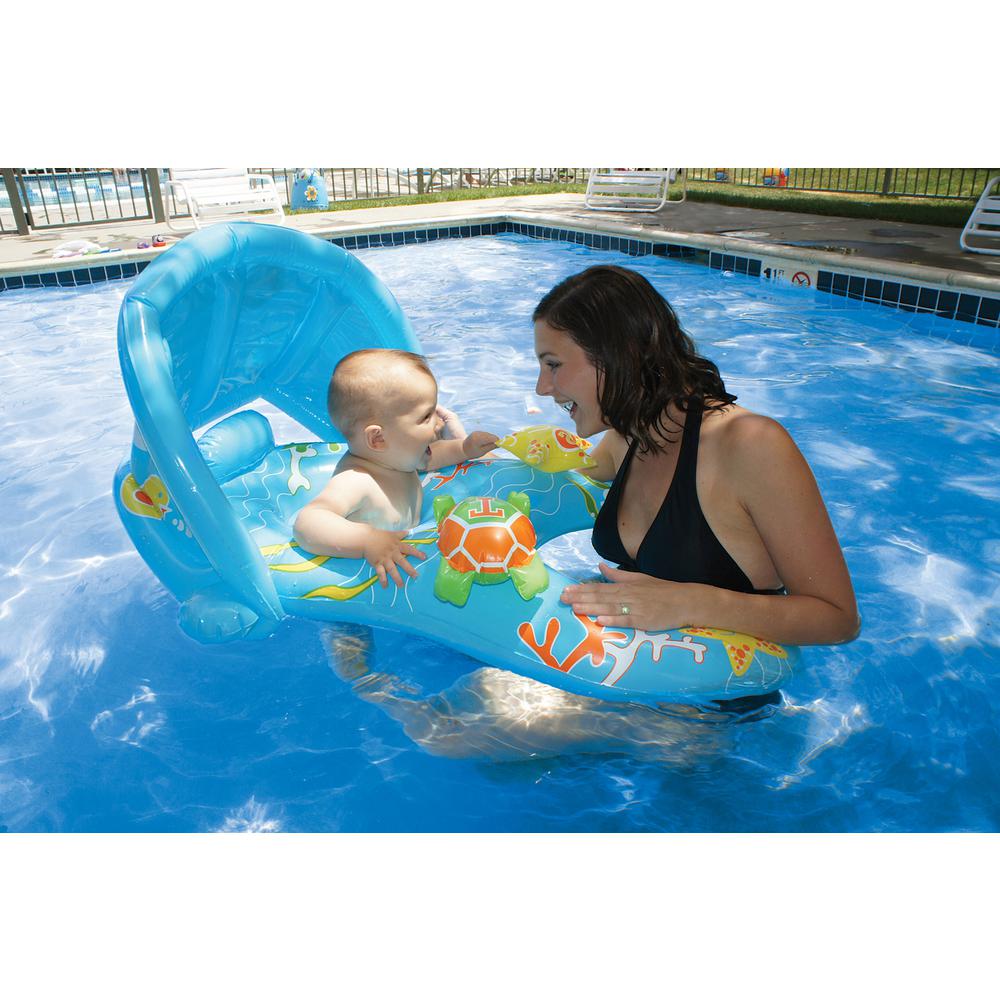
984 223
216 193
623 190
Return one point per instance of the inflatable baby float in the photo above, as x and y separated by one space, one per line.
241 312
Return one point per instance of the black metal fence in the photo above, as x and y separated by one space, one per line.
41 198
910 182
372 183
51 197
56 196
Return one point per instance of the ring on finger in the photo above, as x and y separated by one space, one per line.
626 610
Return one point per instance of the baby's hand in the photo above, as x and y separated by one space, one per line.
479 443
452 429
385 551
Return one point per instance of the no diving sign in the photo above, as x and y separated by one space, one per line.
774 269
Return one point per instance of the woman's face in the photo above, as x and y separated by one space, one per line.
569 378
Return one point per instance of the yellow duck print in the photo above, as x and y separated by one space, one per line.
549 449
148 500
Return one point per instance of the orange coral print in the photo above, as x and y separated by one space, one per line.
592 644
460 470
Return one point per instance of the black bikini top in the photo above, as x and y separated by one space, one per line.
679 546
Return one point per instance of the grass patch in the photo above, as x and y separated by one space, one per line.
922 211
456 194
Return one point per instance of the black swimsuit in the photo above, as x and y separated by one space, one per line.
679 545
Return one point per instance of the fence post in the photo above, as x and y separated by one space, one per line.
420 180
20 219
155 194
887 180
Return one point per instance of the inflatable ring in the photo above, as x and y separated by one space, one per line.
243 311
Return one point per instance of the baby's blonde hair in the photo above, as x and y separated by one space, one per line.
363 385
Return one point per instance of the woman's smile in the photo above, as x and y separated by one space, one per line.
568 376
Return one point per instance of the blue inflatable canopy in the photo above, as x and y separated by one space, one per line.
232 314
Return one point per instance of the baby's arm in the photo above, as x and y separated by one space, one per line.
473 445
452 429
455 445
322 527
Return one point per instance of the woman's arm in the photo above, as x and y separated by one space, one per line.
776 489
608 453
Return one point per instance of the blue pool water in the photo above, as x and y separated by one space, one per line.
111 719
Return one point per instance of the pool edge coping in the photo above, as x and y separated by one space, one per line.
867 266
755 258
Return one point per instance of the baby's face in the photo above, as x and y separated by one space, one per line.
414 425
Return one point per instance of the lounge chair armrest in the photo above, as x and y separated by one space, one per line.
183 189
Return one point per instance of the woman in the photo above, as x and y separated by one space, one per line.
713 517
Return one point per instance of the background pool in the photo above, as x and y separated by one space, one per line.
111 719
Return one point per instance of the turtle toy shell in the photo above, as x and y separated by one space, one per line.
486 540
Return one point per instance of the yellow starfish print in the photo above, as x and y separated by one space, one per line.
741 649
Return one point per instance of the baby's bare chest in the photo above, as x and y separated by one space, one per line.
395 505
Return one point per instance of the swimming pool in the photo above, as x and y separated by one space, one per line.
111 719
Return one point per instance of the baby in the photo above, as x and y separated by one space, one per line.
384 402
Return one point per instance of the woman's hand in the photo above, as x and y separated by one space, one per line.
633 600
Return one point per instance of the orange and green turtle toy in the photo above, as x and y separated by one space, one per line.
486 540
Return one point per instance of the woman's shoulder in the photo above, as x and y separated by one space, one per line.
742 437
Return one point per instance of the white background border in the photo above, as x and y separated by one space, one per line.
511 916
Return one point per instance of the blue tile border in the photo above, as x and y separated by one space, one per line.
736 264
965 307
74 277
962 306
894 294
634 247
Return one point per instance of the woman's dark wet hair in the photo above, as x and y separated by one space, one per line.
644 360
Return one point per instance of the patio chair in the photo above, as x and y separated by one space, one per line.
984 223
213 194
624 190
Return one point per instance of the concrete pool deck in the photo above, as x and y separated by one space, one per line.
923 253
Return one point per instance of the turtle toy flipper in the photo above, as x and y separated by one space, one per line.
453 585
443 505
531 579
521 501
